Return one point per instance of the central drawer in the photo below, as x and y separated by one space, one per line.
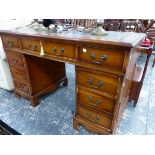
59 49
103 83
30 44
95 101
18 73
95 117
102 57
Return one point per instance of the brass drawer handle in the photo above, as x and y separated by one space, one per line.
92 56
103 58
90 100
96 62
33 47
62 50
100 83
97 118
58 54
91 83
98 102
14 60
10 43
54 49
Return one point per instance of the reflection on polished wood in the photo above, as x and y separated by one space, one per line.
104 70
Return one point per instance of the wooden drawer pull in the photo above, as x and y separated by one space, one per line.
10 43
91 83
90 100
103 58
97 118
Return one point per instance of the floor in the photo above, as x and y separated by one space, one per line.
54 114
141 119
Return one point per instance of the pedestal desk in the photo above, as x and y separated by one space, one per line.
104 67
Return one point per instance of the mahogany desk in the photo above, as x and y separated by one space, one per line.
104 70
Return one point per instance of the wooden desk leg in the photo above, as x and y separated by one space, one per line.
137 86
17 94
146 64
138 93
75 124
34 101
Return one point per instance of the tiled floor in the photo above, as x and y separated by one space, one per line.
55 112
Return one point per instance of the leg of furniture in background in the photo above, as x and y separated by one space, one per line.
153 53
136 84
139 76
153 62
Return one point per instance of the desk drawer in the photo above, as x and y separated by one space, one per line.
30 44
18 73
109 58
15 58
59 49
96 101
95 117
103 83
22 87
10 42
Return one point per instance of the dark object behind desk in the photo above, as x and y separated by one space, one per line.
48 22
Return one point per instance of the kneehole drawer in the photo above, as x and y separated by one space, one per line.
57 49
30 44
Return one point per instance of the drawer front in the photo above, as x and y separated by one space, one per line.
30 44
101 83
95 101
95 117
10 42
22 87
18 73
15 58
58 49
108 58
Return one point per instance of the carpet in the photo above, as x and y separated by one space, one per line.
7 130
